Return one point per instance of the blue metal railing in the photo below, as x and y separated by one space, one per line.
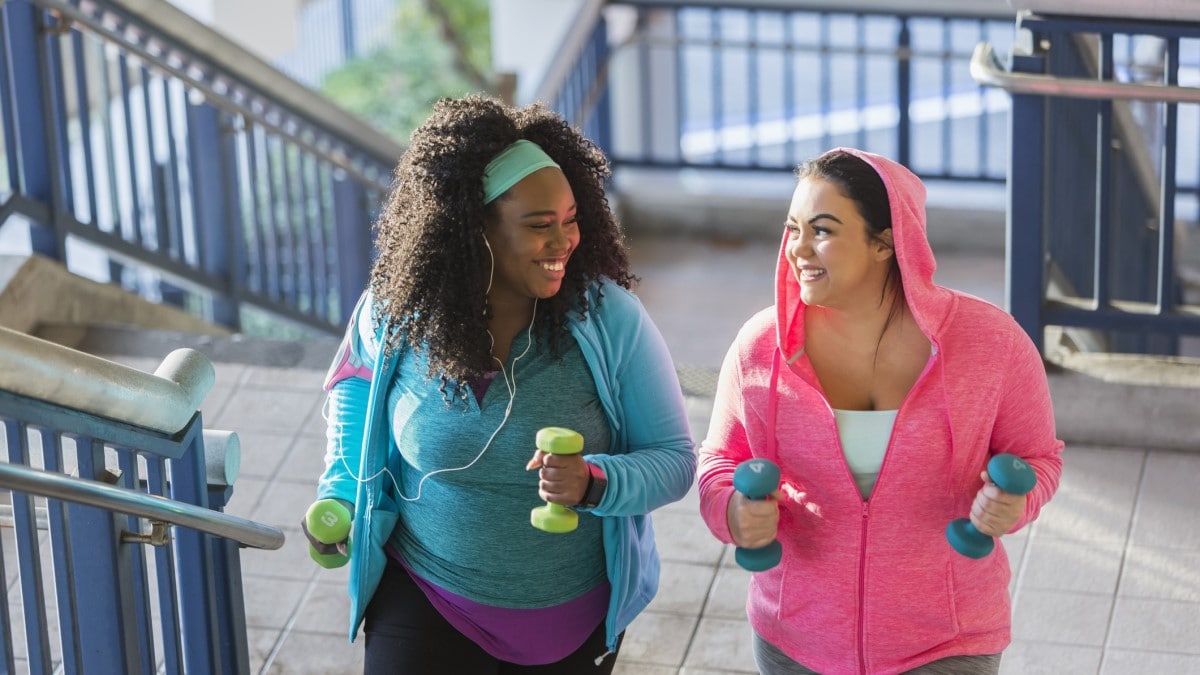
757 87
1095 202
200 175
175 607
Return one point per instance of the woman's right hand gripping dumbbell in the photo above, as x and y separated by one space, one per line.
753 514
326 525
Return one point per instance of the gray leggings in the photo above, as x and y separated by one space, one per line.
771 661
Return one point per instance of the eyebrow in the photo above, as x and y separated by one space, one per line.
547 212
817 217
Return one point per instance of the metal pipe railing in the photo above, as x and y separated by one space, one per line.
93 493
987 70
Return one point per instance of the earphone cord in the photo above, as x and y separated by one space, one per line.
510 383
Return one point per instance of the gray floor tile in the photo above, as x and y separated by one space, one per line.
722 644
1042 658
1124 662
284 503
317 653
1076 513
1067 618
683 587
1157 625
624 668
727 600
1161 573
326 609
263 452
658 639
271 602
290 562
305 462
1055 564
1170 502
293 378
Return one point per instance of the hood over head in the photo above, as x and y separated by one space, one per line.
906 200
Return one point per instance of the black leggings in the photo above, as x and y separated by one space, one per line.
405 634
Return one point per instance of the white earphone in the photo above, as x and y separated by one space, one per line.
510 383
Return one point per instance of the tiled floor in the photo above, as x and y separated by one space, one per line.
1106 581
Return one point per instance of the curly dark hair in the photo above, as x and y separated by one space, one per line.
431 274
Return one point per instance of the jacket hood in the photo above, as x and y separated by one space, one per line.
928 302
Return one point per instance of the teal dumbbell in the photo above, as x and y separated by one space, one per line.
757 478
1011 474
556 518
328 521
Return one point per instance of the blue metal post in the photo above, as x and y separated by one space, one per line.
1026 202
38 172
99 583
218 231
194 575
354 243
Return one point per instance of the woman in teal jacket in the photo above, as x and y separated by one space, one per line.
498 305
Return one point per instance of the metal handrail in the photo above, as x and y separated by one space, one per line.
93 493
164 401
240 63
987 70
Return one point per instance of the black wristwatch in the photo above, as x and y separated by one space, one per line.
597 484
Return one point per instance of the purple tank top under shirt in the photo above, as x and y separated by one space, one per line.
527 637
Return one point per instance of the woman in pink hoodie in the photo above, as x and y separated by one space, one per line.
881 396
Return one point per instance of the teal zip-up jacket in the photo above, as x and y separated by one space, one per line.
651 463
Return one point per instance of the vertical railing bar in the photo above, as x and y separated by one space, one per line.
110 144
29 559
130 150
753 118
984 127
947 92
158 187
61 178
643 55
860 79
164 573
7 114
64 566
681 81
714 17
825 83
176 241
321 181
789 85
84 103
904 93
264 218
133 554
291 243
6 645
277 253
248 205
304 223
1166 209
1104 157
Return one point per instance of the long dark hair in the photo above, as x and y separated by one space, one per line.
860 183
430 277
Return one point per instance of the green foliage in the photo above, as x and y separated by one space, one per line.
395 85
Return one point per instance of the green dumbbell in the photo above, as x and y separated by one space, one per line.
328 521
555 517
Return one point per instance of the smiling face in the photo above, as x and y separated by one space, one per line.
532 237
831 253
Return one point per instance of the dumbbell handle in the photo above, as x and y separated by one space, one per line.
551 517
757 479
1012 475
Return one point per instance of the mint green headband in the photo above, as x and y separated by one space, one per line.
512 164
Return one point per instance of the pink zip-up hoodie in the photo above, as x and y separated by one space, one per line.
873 586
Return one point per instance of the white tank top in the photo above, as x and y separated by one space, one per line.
865 435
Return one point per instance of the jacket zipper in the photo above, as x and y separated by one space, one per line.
862 592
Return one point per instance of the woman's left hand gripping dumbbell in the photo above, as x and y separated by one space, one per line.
326 525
